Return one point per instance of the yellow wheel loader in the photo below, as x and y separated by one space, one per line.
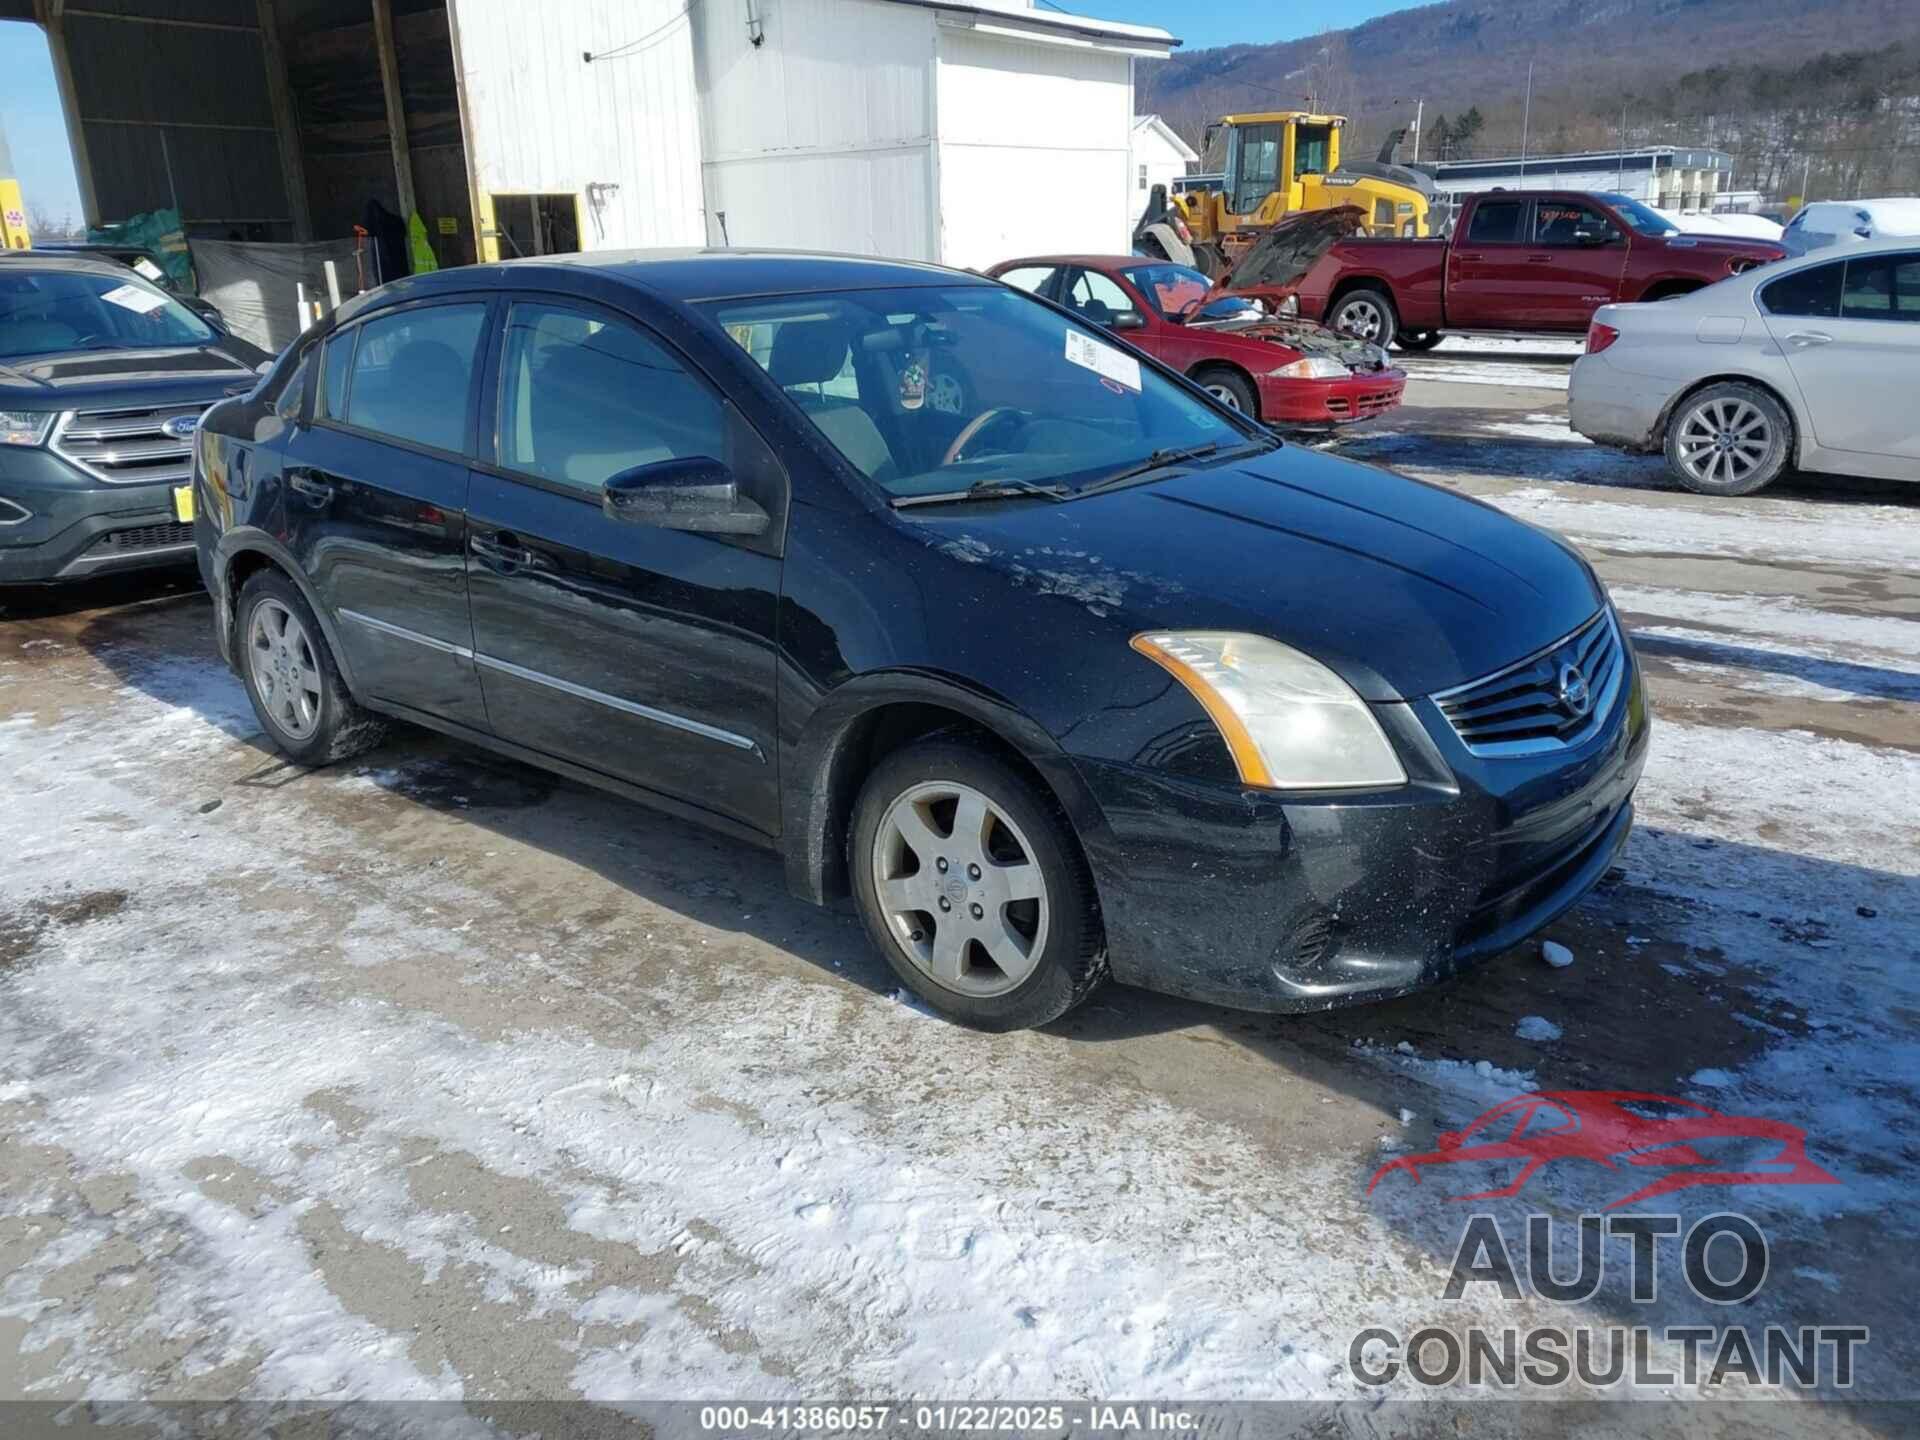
1279 163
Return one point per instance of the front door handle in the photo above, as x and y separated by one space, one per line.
1804 339
1539 259
1469 257
303 482
500 551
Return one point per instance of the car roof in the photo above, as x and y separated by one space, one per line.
694 274
1095 262
66 261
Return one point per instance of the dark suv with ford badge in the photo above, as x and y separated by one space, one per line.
102 378
1086 674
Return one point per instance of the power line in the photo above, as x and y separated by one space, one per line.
631 47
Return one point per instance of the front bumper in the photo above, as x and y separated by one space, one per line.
74 527
1262 901
1330 402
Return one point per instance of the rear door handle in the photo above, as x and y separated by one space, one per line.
500 551
1469 257
317 491
1804 339
1539 259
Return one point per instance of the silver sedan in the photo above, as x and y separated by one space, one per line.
1812 364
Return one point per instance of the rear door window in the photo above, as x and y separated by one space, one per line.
1883 287
1813 292
412 374
1030 278
1496 222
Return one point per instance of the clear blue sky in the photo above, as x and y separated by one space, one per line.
30 105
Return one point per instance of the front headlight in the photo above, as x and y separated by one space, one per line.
24 427
1312 367
1290 723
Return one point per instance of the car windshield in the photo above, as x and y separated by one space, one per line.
48 312
932 390
1644 221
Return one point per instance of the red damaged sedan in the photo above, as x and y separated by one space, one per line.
1284 371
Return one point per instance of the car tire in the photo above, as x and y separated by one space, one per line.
1417 341
1230 388
1729 439
1366 313
969 939
291 678
1150 248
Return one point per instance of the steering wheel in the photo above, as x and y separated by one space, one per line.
974 427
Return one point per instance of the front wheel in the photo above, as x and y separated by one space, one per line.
1230 388
291 677
969 880
1729 439
1366 313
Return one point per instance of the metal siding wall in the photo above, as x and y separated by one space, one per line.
204 89
542 120
820 137
1020 118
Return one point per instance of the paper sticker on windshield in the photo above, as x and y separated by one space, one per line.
147 268
1103 360
132 297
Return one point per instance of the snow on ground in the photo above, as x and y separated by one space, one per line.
342 1066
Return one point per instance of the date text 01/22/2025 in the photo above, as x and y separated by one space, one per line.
1015 1419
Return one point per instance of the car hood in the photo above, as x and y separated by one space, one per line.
1274 264
1761 250
1308 337
70 380
1402 587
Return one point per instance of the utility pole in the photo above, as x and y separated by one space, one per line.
1620 154
1419 114
1806 175
1526 126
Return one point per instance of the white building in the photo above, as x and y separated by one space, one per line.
1160 157
961 133
1664 176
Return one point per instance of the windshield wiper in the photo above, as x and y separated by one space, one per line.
983 490
1158 460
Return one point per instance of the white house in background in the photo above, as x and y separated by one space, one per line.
925 129
1159 158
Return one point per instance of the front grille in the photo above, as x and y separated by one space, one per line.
1533 707
1370 403
128 446
142 537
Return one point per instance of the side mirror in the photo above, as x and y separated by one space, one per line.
1128 320
1448 1140
696 493
205 310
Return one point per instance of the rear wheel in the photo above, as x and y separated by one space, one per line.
1417 340
970 882
1729 439
1151 247
1230 388
1366 313
291 678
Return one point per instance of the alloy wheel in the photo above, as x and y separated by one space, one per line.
1724 441
285 670
1224 394
959 889
1364 318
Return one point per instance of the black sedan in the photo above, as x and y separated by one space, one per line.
1079 674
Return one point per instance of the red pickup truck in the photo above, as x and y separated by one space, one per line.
1518 260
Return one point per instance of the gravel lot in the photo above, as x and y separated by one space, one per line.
430 1076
